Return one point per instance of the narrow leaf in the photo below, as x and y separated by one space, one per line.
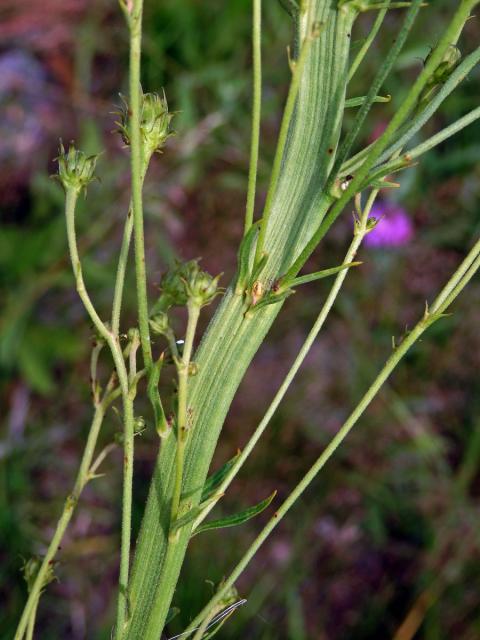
244 253
193 514
237 518
215 480
357 102
325 273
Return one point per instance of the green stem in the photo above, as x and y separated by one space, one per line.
123 261
31 623
459 280
256 111
414 124
182 413
128 417
81 480
128 450
136 171
374 90
368 42
360 233
121 270
406 159
283 135
460 17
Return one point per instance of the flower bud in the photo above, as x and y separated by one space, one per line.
185 283
154 122
75 169
160 324
201 287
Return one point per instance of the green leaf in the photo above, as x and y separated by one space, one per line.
244 254
172 613
357 102
325 273
192 514
215 480
384 184
161 424
270 298
237 518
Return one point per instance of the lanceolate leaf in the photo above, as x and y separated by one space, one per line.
325 273
357 102
237 518
214 481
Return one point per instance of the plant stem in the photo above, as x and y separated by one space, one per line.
451 33
368 42
302 354
427 145
283 135
136 174
81 480
123 261
31 622
182 412
458 281
374 90
121 270
128 450
128 416
256 111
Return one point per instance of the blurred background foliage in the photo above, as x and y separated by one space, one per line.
387 540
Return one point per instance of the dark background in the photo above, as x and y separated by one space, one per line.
391 525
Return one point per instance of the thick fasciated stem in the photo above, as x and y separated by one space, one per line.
233 339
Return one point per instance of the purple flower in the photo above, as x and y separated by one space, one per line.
393 229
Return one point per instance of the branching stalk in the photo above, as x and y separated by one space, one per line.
360 232
455 285
83 476
128 416
451 33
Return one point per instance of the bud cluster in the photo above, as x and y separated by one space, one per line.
154 122
75 169
186 284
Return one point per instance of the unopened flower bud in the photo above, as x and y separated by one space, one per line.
75 169
160 324
201 287
154 122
